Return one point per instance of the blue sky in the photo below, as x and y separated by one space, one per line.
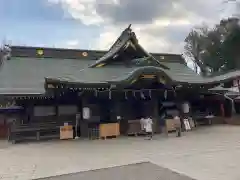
161 25
37 22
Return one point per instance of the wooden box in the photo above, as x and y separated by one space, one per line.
171 124
110 129
66 132
134 127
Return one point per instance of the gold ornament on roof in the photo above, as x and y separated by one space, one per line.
148 76
40 52
85 54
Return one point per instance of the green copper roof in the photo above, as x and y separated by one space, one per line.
177 74
182 73
125 61
27 75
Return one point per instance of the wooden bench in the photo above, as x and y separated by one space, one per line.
34 131
200 119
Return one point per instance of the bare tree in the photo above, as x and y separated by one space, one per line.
194 47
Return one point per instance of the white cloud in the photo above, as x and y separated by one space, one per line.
72 43
83 10
160 25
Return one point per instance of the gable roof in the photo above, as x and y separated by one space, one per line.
127 47
28 70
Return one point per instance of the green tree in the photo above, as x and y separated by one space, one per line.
212 56
231 50
216 49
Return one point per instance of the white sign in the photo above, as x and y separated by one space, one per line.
86 113
185 107
187 124
236 83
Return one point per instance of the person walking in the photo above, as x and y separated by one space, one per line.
177 124
142 124
148 127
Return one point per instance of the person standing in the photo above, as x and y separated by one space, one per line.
177 125
148 127
185 114
142 123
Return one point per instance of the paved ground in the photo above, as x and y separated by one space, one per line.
138 171
208 153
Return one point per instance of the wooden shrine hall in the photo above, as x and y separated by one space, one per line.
97 92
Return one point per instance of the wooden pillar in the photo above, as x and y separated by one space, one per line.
56 104
123 121
29 111
222 109
78 116
80 105
156 120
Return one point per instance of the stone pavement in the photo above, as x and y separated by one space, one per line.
138 171
207 153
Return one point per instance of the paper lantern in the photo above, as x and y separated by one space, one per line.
86 113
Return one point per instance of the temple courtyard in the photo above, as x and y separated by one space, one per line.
207 153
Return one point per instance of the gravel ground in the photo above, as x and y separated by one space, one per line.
207 153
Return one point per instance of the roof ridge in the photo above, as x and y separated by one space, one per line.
126 39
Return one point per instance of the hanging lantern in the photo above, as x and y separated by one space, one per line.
165 94
134 94
96 93
142 95
174 93
86 113
110 94
150 93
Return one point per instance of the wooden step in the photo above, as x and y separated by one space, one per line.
234 120
108 137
